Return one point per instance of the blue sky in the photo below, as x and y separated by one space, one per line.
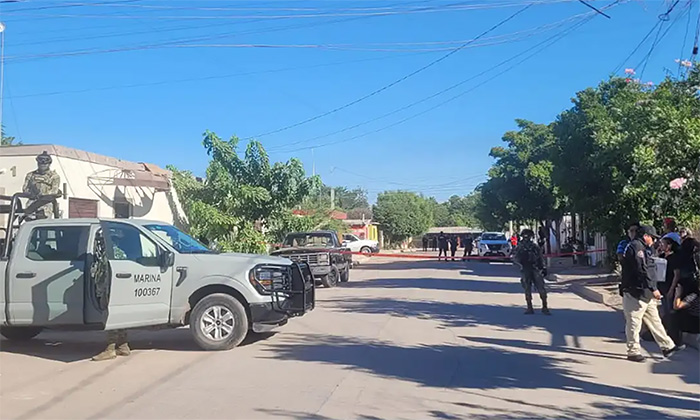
122 78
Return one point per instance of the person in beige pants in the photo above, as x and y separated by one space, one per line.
640 296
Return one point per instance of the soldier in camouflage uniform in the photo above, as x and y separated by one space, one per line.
528 255
43 181
117 341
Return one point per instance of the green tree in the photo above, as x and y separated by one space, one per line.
7 140
619 146
241 197
403 214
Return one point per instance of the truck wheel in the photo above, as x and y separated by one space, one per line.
331 279
218 322
345 274
366 250
20 333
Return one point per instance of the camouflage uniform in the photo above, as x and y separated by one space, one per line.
42 181
529 256
117 344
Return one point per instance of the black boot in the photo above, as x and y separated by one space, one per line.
529 310
545 309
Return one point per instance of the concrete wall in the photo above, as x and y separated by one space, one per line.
80 179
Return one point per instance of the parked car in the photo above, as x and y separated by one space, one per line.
494 244
87 274
329 260
355 244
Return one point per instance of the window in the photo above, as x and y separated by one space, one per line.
122 210
82 208
315 239
182 242
350 238
126 243
65 243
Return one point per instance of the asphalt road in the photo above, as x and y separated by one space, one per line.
403 340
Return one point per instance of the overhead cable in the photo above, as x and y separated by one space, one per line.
396 82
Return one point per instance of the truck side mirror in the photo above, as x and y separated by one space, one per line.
167 259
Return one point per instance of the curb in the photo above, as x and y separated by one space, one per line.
615 302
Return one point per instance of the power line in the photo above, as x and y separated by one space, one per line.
553 39
212 77
663 18
594 8
130 4
656 27
177 41
396 82
435 9
439 93
685 37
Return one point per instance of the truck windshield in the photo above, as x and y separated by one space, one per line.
308 239
493 237
179 240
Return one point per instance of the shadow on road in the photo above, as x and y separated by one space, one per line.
73 346
564 321
476 368
498 268
463 285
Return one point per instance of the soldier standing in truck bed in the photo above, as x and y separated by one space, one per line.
42 181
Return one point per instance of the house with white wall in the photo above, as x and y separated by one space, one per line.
95 185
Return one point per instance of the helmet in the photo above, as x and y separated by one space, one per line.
44 158
527 234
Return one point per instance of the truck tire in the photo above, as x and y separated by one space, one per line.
20 333
331 279
218 322
345 274
366 250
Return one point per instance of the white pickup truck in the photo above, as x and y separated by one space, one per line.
80 274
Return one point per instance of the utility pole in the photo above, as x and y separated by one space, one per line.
2 67
332 198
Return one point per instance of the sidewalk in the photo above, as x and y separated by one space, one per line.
580 273
603 288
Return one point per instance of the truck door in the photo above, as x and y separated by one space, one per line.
140 282
46 275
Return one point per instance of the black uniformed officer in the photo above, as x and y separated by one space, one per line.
528 255
454 243
442 245
640 295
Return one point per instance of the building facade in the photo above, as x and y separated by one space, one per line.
94 185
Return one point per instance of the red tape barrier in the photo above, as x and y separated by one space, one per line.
469 257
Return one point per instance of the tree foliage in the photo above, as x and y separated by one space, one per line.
241 197
457 211
610 157
7 140
403 214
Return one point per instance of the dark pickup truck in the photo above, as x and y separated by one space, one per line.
330 262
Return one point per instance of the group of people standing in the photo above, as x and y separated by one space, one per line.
678 296
445 243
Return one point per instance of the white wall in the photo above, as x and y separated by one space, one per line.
147 203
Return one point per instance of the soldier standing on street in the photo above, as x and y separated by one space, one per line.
528 255
117 341
42 181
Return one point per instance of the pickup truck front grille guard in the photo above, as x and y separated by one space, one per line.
299 297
